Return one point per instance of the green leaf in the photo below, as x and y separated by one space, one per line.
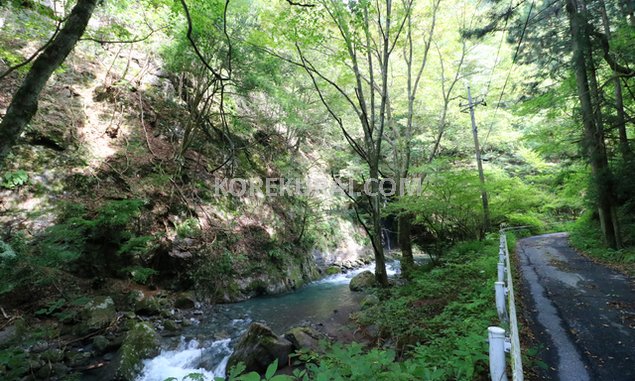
271 369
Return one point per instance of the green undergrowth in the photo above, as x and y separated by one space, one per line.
586 236
87 243
438 320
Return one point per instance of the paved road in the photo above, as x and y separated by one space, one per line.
583 313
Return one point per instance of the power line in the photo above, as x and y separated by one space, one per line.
500 45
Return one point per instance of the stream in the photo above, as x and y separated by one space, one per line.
206 345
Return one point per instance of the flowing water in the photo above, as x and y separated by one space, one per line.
206 346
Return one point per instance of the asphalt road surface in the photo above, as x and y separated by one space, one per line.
582 313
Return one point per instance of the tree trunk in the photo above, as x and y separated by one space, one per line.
625 149
25 101
593 136
405 244
380 260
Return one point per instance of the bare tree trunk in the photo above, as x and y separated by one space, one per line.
25 101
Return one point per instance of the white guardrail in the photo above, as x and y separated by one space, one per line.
500 340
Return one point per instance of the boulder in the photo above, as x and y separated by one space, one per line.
185 301
362 281
258 348
100 343
148 307
7 335
140 343
100 312
305 338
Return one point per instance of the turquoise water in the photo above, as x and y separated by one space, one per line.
207 344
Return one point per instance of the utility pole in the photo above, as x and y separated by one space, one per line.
470 105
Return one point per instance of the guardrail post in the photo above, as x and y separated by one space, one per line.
501 272
501 307
496 336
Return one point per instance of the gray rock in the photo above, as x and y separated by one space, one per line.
39 347
305 338
100 312
258 348
362 281
372 331
7 334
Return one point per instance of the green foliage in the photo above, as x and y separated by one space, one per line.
352 363
140 274
214 272
14 179
92 240
532 222
441 315
89 243
586 236
13 363
188 228
52 307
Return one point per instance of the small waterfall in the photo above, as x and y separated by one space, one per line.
188 358
385 238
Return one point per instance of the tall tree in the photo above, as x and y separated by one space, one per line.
369 35
586 81
620 121
25 101
403 139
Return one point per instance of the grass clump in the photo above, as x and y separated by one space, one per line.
586 236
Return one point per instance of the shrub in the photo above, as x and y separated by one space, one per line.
15 179
99 243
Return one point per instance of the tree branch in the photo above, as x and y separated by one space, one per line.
35 54
300 4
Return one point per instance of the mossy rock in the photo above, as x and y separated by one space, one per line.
305 338
333 270
141 342
362 281
99 312
185 301
258 348
100 343
149 307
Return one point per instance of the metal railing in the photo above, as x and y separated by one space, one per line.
500 340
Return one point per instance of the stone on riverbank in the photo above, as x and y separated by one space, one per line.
305 338
258 348
141 342
362 281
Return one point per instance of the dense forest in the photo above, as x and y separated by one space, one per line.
180 179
